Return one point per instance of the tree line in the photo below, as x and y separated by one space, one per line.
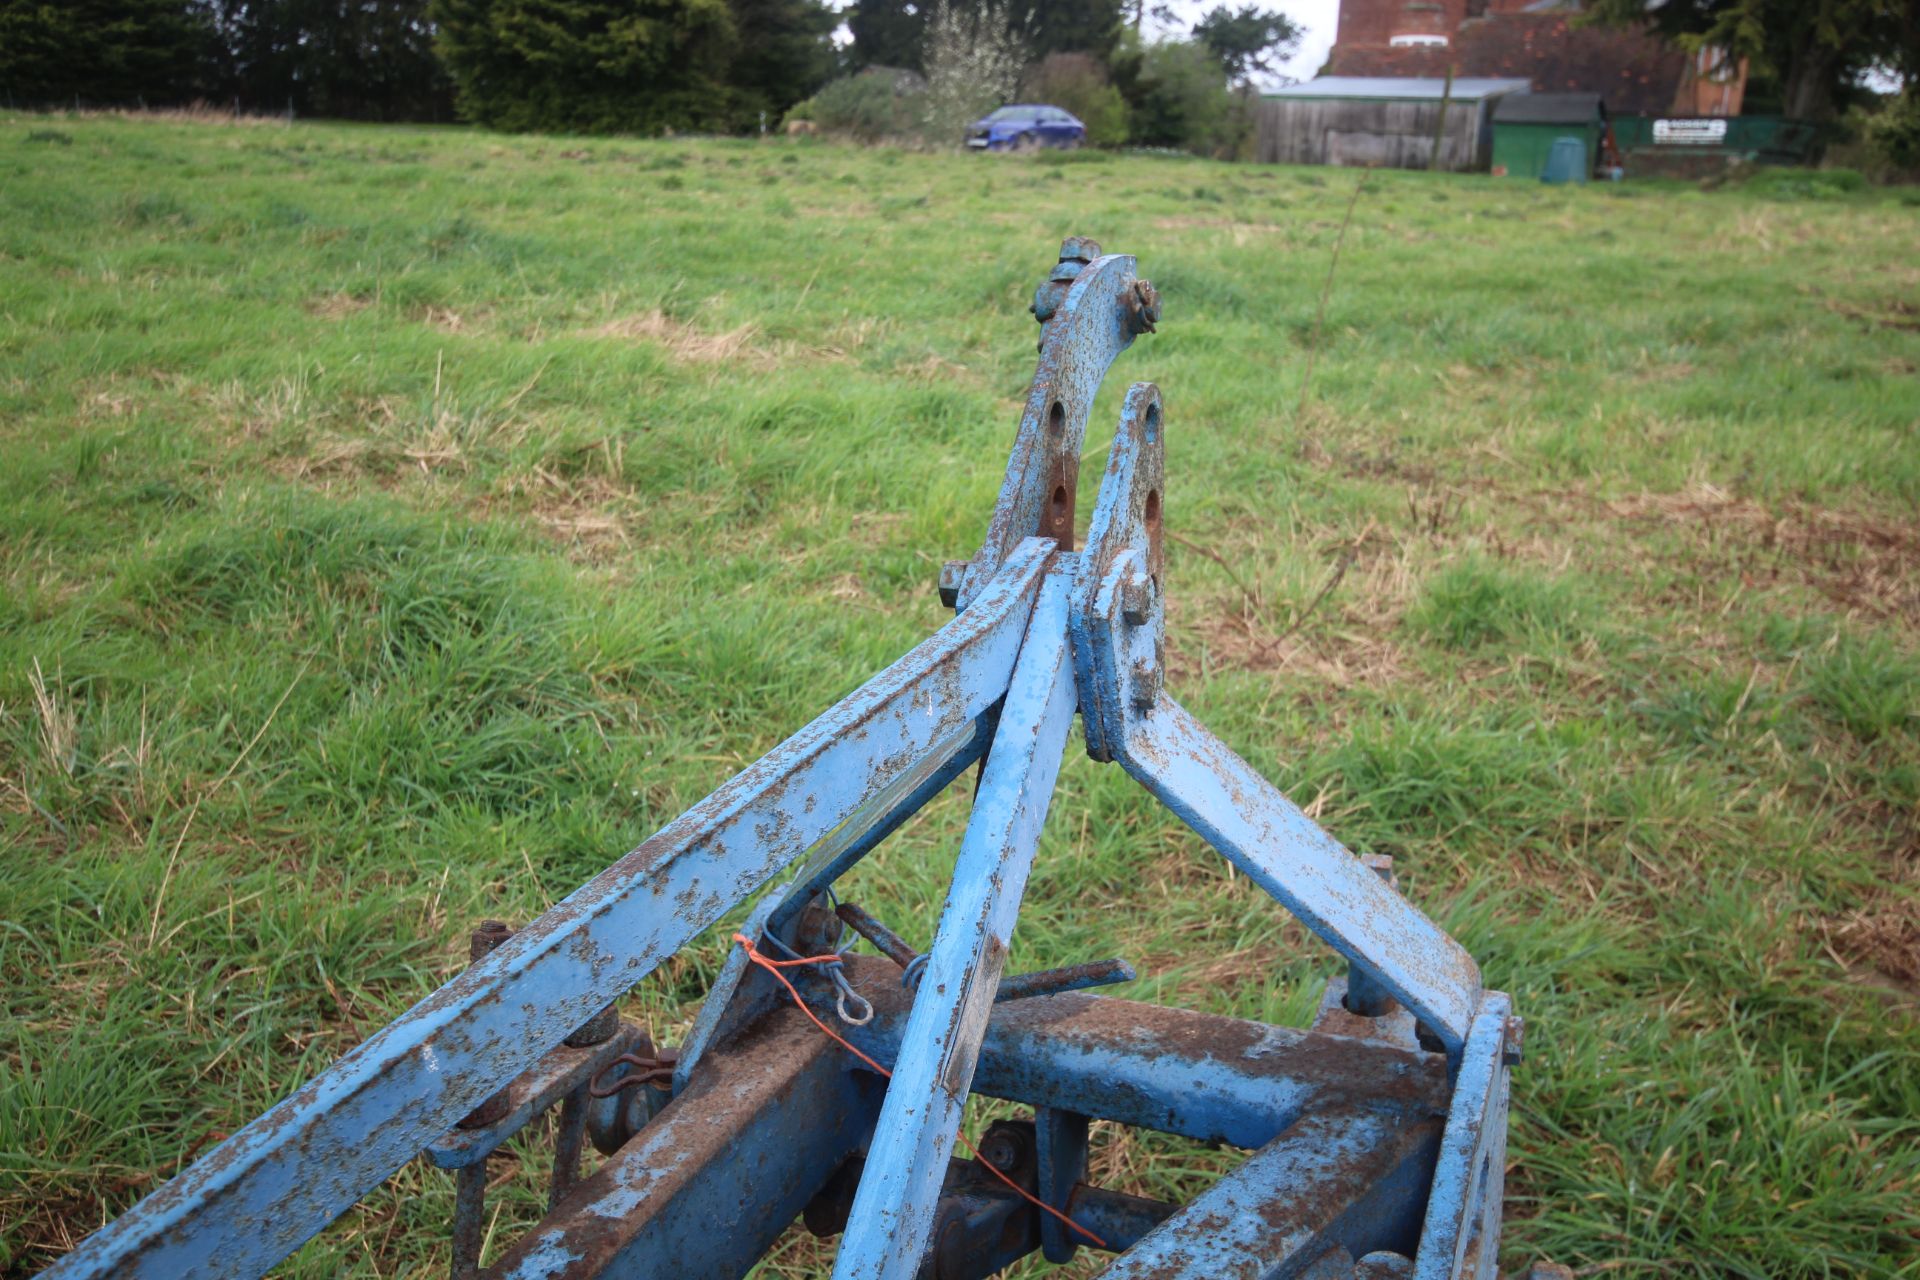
356 59
630 66
645 66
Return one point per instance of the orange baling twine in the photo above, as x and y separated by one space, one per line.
775 966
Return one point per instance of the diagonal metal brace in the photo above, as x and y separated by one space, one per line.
257 1196
1118 621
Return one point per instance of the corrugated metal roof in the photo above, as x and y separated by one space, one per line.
1548 108
1467 88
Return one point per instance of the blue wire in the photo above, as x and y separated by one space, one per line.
910 976
837 974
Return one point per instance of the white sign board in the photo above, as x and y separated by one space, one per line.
1689 133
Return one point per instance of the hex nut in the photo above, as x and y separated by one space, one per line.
1513 1044
1079 249
952 573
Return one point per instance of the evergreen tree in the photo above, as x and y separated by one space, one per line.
785 52
1071 26
118 52
588 66
1247 40
362 59
1180 98
887 33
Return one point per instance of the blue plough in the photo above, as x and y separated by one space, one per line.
1377 1138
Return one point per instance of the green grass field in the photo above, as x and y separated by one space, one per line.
397 525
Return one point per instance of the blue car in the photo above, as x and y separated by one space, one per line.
1023 127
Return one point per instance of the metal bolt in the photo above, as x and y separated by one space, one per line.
1146 684
1000 1151
1046 299
1007 1145
470 1183
1136 598
818 929
596 1030
889 943
1075 253
486 938
1381 864
951 575
469 1219
1143 307
1513 1044
1073 977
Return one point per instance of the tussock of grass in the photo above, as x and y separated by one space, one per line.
397 525
1477 602
1865 685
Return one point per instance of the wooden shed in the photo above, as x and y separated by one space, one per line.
1382 122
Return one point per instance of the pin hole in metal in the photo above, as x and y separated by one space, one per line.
1156 545
1153 423
1057 419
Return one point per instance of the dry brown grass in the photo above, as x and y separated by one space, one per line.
1879 942
1862 563
198 112
59 723
334 306
591 513
1891 313
683 341
447 320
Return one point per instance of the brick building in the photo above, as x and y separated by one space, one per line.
1542 41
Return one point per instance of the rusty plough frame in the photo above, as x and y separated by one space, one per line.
1377 1138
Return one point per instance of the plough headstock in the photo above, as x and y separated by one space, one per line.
825 1087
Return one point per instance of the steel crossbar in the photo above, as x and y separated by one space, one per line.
1377 1137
